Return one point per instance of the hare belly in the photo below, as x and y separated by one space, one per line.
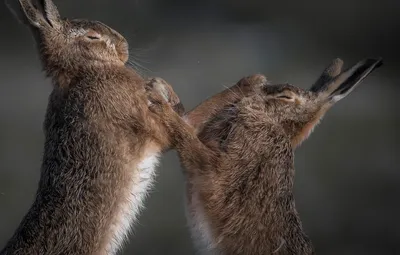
134 203
199 226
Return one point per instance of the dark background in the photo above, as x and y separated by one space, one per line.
348 176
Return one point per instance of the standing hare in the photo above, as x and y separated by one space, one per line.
240 168
101 141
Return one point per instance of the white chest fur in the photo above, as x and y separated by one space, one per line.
130 209
199 226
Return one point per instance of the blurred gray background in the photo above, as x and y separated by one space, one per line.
348 172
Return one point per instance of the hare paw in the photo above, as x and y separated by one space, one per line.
157 103
160 86
252 82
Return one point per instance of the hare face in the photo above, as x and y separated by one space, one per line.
93 40
284 102
298 111
294 109
71 44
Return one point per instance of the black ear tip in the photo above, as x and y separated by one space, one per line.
380 62
376 62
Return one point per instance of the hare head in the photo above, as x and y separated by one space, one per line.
69 44
298 111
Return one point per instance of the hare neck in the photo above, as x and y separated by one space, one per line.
64 73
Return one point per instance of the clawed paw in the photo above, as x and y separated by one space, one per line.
159 86
159 102
165 91
156 102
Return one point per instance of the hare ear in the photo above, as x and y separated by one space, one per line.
344 83
26 13
51 13
328 74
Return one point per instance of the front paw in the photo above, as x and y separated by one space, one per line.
251 83
157 103
160 86
165 114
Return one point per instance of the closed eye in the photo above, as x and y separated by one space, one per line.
284 97
91 37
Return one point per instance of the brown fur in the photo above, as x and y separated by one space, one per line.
240 168
202 113
97 130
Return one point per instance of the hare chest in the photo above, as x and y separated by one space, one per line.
130 207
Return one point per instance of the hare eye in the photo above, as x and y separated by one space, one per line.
285 97
91 37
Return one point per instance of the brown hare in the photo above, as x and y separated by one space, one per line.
101 141
240 168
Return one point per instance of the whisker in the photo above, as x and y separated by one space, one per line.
231 90
140 59
256 93
135 61
142 70
139 51
136 53
241 91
